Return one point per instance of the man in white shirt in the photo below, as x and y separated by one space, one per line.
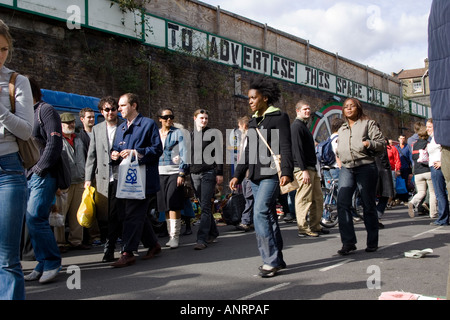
99 173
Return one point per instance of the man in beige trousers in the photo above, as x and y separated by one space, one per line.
309 198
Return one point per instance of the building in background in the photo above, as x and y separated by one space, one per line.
415 84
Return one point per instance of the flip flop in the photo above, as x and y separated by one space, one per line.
416 254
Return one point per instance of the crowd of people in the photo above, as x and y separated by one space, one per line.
95 153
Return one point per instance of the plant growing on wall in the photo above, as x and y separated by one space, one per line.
130 5
137 8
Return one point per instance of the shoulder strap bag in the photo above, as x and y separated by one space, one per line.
28 149
291 186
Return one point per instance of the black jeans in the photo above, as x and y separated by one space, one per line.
204 185
361 177
115 217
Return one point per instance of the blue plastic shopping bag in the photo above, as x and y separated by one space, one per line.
400 185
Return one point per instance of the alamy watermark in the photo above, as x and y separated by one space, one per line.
374 280
192 151
374 20
74 19
74 280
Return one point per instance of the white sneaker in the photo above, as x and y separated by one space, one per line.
49 275
34 275
411 210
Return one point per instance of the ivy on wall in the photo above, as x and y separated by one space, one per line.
129 5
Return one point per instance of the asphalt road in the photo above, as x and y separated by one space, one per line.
227 270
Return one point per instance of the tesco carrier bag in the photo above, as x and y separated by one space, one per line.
131 179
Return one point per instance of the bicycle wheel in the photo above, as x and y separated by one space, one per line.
330 216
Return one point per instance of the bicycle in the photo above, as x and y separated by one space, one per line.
330 215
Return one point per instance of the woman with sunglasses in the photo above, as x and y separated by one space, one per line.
172 169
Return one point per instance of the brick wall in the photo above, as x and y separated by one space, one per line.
92 63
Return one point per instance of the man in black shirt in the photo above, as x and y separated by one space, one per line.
309 198
205 175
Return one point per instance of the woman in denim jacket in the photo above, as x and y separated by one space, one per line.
172 169
359 141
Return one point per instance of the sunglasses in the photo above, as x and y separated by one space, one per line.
171 117
108 109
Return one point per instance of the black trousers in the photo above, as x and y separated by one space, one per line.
136 223
115 217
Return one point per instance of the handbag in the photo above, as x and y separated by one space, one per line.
423 156
86 210
400 185
28 149
131 179
291 186
232 211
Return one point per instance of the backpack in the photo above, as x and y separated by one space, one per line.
63 175
325 154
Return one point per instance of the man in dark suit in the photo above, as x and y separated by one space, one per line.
100 174
139 136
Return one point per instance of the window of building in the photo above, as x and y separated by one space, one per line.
417 86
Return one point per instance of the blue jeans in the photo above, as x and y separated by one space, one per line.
247 214
268 235
363 178
440 189
13 199
42 193
204 185
331 174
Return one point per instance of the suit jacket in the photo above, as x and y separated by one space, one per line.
98 167
143 136
439 57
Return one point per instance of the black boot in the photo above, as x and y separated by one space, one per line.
187 223
109 251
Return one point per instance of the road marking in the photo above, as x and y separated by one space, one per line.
258 293
336 265
425 232
387 246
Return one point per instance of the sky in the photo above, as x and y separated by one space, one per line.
385 35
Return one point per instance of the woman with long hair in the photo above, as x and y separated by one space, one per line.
13 182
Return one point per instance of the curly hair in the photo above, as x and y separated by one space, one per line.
112 102
267 88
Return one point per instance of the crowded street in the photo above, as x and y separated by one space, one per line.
227 269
